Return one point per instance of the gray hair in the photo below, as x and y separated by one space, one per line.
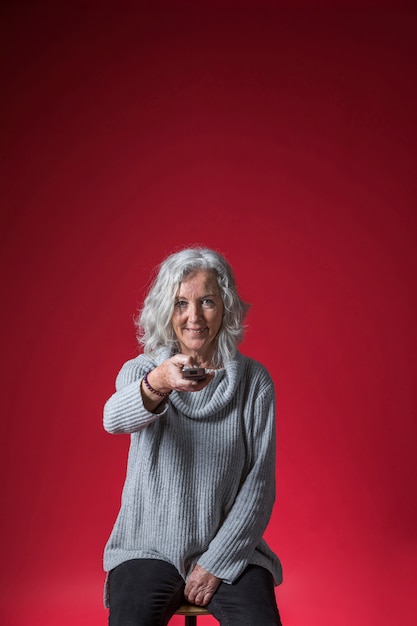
154 320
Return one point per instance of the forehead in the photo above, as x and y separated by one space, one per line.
199 280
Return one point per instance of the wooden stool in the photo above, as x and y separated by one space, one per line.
191 612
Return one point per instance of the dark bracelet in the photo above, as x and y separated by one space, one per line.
161 394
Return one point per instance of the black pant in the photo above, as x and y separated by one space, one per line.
147 592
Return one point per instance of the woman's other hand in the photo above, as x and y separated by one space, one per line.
200 586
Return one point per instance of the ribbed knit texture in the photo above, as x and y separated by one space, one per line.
200 481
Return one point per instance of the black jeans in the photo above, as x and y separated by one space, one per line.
147 592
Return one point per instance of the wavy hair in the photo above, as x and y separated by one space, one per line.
153 322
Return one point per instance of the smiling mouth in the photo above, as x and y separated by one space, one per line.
196 331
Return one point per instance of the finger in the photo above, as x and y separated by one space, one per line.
206 599
203 383
180 360
203 598
190 592
199 598
191 597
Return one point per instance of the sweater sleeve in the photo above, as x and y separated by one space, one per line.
124 411
231 549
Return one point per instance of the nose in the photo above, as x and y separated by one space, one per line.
194 313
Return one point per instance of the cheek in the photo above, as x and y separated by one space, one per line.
218 321
175 323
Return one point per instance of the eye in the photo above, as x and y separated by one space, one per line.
181 304
208 302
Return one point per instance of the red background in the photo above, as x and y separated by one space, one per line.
287 140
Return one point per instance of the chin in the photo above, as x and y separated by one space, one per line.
196 346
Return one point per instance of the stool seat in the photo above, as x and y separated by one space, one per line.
192 610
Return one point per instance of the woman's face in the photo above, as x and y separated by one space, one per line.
198 315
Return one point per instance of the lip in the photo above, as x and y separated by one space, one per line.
196 331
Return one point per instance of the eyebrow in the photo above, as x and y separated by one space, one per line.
207 295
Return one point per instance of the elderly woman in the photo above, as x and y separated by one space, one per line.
200 483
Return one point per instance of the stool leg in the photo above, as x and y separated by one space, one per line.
190 620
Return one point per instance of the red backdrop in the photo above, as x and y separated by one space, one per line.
284 138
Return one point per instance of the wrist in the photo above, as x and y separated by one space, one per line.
157 392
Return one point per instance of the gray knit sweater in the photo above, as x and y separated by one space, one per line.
200 481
